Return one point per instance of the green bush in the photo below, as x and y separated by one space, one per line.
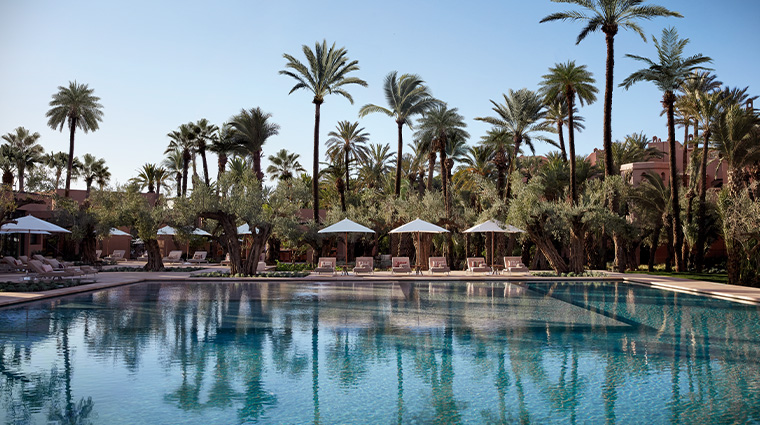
571 274
266 274
140 269
294 267
40 285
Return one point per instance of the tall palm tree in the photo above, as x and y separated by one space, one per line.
520 116
608 16
442 125
737 142
26 151
161 177
326 72
418 165
7 166
557 114
58 161
175 165
238 166
477 162
252 129
347 141
570 81
376 165
223 146
668 75
76 106
284 165
94 170
203 134
182 140
406 96
501 144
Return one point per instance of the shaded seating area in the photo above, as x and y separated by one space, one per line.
514 265
364 265
438 265
326 265
14 265
400 265
173 257
46 271
477 265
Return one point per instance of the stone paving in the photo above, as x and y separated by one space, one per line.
111 279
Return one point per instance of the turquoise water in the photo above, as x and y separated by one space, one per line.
338 353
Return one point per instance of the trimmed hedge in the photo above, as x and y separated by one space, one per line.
571 274
263 274
40 285
140 269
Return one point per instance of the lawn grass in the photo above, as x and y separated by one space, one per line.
708 277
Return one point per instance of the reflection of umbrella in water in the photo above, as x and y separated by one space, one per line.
419 226
346 226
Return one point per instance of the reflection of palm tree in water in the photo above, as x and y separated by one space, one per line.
71 413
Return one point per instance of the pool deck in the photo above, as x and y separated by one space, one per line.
112 279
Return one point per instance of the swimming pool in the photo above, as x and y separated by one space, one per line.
369 352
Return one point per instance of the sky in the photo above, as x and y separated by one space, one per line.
158 64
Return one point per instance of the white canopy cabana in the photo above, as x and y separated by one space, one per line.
419 226
346 226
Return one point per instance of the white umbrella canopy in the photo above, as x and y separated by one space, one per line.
116 232
419 226
31 224
33 232
346 226
244 229
486 226
168 230
512 229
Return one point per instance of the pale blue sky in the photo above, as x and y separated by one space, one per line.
158 64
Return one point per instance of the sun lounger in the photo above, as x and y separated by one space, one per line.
173 257
226 261
477 265
261 267
326 265
364 265
198 257
116 256
24 259
514 265
98 253
400 265
45 271
14 264
438 265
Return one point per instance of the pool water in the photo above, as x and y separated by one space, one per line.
369 352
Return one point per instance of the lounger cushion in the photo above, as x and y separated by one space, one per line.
18 262
362 264
325 264
47 268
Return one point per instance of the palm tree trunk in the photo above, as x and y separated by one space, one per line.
397 190
348 188
202 152
500 162
431 167
20 167
571 145
257 166
315 168
185 166
221 164
684 162
178 177
562 139
701 207
70 163
609 36
518 142
442 153
655 244
668 101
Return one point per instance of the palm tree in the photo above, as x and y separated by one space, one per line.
349 142
146 176
652 196
252 129
406 96
26 151
58 161
161 176
94 170
442 125
570 81
477 162
204 133
500 143
223 146
284 165
668 75
520 116
556 114
182 140
736 142
238 166
608 16
417 165
76 106
634 148
7 166
325 73
376 165
175 164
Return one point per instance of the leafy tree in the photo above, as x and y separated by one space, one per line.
348 142
570 81
25 150
77 106
668 75
406 96
608 16
326 72
519 117
284 165
252 129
